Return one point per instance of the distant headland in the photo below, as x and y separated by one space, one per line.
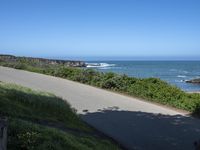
68 63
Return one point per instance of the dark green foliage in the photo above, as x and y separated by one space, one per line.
151 89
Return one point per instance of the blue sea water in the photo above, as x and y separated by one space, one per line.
174 72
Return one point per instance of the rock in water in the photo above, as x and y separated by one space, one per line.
194 81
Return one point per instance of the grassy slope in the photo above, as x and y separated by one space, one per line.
40 121
151 89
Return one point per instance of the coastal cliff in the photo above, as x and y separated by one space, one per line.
42 61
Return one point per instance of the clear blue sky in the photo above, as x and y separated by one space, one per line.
97 28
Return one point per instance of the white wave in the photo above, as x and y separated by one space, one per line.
99 65
104 68
181 76
179 81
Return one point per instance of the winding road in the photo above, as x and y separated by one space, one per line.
136 124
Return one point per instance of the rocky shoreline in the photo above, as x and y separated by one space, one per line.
194 81
68 63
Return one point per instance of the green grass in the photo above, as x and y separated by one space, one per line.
150 89
39 120
24 135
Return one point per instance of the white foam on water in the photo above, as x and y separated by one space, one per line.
180 81
181 76
99 65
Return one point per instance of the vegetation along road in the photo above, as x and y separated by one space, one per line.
134 123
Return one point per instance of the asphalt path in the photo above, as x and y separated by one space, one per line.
134 123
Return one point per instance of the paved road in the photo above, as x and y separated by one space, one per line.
134 123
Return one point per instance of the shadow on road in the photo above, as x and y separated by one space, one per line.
147 131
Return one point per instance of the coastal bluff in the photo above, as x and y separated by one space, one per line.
42 61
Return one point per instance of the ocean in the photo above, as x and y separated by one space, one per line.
174 72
